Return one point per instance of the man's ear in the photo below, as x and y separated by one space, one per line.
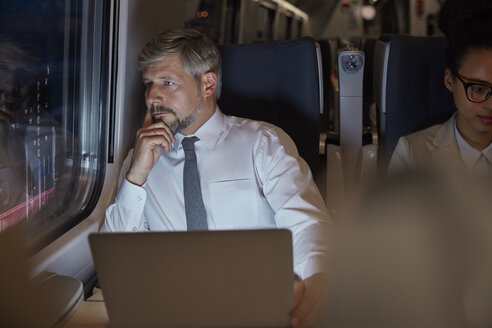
209 83
449 80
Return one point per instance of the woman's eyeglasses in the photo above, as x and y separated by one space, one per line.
475 92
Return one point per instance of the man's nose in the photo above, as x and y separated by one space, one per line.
153 93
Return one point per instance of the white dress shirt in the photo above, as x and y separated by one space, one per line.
473 159
439 146
251 177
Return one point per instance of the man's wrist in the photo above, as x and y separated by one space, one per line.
136 179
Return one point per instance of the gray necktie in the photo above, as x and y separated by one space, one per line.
196 218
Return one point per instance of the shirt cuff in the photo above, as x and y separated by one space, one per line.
135 197
316 264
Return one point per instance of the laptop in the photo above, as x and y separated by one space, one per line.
238 278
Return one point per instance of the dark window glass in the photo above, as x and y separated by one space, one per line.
52 113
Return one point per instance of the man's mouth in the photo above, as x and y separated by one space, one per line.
157 111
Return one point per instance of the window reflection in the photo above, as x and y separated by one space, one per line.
50 112
30 152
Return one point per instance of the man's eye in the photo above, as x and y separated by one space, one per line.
168 83
148 85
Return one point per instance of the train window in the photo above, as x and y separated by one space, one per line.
270 24
53 87
262 23
231 28
206 17
288 27
282 26
299 28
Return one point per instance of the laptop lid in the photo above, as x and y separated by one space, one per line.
240 278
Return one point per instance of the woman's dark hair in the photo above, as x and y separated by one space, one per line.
467 25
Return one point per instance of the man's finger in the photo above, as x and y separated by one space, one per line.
299 290
161 132
305 305
147 120
162 127
157 129
303 314
312 316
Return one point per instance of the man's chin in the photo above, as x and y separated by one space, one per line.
162 117
174 126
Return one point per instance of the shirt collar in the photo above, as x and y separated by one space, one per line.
487 152
209 132
470 155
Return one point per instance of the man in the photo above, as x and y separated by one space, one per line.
250 173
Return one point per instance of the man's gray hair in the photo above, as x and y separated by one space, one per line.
198 53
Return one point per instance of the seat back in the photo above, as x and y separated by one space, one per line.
409 88
276 82
328 90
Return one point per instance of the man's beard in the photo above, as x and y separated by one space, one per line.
176 125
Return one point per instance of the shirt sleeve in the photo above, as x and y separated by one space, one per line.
290 190
126 213
400 159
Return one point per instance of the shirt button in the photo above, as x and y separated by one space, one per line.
134 228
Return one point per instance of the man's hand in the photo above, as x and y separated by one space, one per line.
308 301
152 139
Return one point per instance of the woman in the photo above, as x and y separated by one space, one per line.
465 139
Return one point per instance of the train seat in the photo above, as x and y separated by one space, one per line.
409 93
328 88
409 88
277 82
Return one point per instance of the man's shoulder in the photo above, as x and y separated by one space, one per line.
250 125
264 133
